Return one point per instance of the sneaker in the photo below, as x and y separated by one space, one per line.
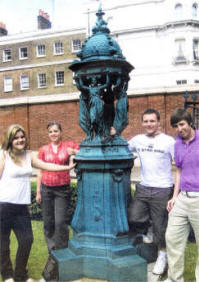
9 280
160 265
148 238
168 280
31 280
42 280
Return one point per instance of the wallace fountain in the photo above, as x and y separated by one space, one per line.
101 247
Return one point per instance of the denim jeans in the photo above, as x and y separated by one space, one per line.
149 203
55 203
15 217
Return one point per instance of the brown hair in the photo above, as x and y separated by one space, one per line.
54 122
179 115
151 111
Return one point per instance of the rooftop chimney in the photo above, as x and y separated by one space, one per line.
43 20
3 30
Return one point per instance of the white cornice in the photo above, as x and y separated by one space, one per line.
165 26
162 90
39 34
74 96
52 98
19 67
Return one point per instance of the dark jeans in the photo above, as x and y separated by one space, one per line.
15 217
149 203
55 203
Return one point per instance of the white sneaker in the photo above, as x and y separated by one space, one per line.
168 280
148 238
160 265
42 280
9 280
31 280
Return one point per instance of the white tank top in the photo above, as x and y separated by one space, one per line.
15 182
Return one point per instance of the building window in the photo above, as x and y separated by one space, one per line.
23 53
41 50
182 81
58 48
59 78
24 81
76 45
178 11
180 51
7 56
196 81
41 80
195 50
7 84
194 11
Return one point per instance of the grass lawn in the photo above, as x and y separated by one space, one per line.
39 254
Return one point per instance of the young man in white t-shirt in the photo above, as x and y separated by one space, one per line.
155 151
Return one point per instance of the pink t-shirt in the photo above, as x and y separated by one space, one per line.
61 157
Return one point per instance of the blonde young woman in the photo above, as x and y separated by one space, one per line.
15 170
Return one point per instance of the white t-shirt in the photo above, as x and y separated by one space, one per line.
15 182
155 154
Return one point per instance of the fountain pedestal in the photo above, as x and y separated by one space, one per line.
101 247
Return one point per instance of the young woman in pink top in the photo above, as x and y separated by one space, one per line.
53 188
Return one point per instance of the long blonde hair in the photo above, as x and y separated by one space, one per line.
9 136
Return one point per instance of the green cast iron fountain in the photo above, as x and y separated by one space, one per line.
101 247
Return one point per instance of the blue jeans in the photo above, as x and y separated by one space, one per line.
149 203
55 204
15 217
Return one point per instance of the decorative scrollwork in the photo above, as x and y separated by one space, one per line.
117 175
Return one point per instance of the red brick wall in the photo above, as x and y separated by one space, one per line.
35 117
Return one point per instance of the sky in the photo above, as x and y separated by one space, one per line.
21 15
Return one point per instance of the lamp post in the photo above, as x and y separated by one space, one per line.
192 103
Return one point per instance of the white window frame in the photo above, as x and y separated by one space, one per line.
178 11
196 50
7 57
8 84
58 80
194 11
24 82
180 51
76 45
73 78
41 80
42 52
58 48
21 55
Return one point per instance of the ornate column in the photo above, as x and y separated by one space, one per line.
101 247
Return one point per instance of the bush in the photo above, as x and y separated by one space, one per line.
36 210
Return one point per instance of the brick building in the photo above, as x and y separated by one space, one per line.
36 85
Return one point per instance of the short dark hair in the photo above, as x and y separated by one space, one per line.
181 114
151 111
54 122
